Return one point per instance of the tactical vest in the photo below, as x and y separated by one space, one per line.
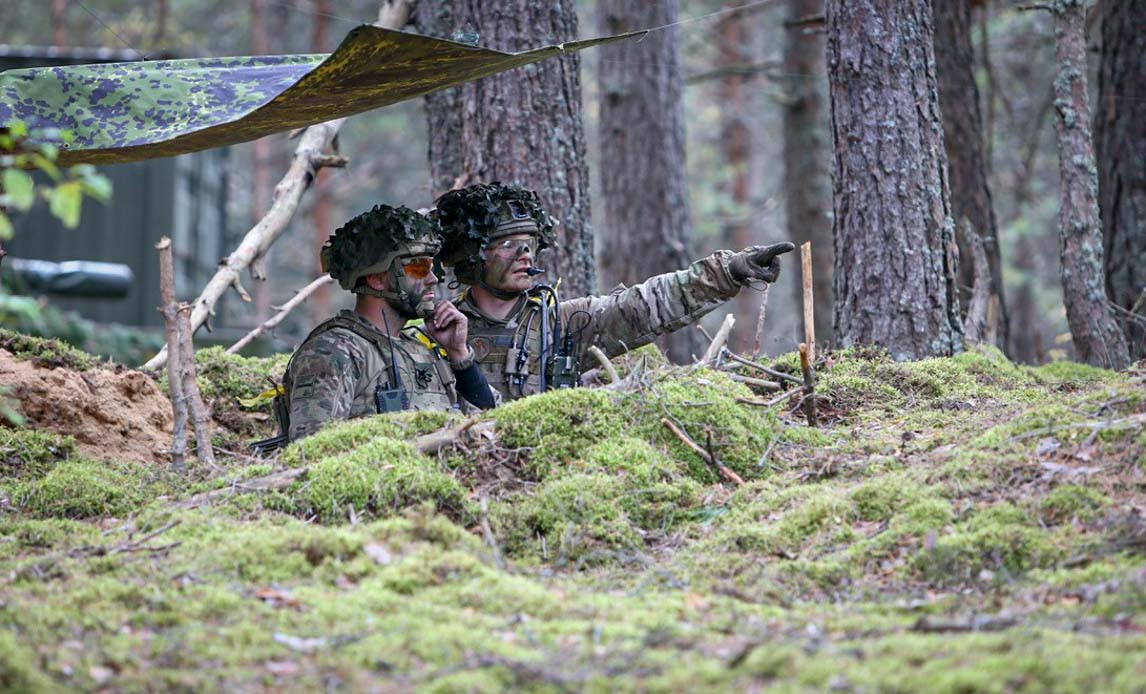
426 376
499 346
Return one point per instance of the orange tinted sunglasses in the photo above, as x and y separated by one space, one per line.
417 268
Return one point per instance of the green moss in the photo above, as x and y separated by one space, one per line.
25 453
657 492
999 538
18 671
81 488
703 403
233 377
52 353
883 498
1072 501
377 478
556 428
571 515
338 438
1071 373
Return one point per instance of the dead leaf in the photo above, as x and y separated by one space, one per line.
282 668
278 598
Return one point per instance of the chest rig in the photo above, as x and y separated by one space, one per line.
511 353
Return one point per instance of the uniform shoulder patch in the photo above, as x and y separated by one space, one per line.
481 347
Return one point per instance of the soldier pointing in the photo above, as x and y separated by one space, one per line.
492 234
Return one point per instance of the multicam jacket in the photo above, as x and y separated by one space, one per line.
335 372
625 319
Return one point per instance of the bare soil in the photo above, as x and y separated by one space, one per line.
113 413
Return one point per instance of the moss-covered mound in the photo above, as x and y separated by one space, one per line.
50 353
956 525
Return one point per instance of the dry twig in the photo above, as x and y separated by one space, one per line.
607 365
713 351
809 385
200 415
725 472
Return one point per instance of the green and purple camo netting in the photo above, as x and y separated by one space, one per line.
120 112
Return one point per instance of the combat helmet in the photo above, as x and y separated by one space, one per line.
473 216
372 241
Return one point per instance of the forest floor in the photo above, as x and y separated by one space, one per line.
958 524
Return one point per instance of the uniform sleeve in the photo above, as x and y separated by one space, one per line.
631 317
324 378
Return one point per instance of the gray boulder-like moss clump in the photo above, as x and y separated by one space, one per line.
338 438
26 453
82 488
49 352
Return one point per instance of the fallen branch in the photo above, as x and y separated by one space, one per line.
200 415
713 351
725 472
607 365
272 322
784 396
929 625
757 382
809 385
487 532
170 312
760 367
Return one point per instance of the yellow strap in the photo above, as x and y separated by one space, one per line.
267 394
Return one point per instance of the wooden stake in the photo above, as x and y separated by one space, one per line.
809 305
713 351
758 340
200 415
607 365
809 386
272 322
174 379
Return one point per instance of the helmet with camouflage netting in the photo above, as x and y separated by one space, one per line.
473 216
372 241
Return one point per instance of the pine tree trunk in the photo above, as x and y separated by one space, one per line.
60 22
895 254
644 195
1097 338
807 180
963 135
522 126
1121 155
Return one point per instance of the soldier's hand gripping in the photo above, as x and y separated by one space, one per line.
450 328
758 262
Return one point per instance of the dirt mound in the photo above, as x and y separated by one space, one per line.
114 414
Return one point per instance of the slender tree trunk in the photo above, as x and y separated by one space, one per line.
807 180
895 247
736 146
522 126
60 22
261 154
963 135
1121 155
644 195
160 34
1097 338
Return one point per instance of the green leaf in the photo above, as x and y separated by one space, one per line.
5 227
18 128
46 165
20 189
98 186
65 204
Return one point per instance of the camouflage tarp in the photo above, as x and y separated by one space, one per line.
130 111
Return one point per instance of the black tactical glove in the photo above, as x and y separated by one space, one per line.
758 262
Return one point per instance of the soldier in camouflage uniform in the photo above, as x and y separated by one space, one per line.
492 234
362 362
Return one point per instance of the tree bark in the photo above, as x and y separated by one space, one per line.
736 147
966 161
60 22
895 276
647 222
1121 155
807 180
1098 340
522 126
